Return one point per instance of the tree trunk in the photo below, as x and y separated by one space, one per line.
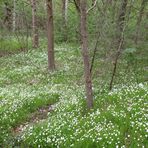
85 54
50 36
64 16
8 15
14 15
119 38
35 37
139 19
121 20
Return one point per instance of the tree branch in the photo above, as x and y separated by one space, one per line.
77 5
94 5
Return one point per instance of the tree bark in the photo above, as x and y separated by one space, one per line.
35 37
85 53
50 36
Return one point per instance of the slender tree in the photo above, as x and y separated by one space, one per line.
35 37
8 15
50 35
85 53
14 15
119 38
64 18
139 19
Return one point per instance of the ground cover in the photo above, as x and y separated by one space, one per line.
119 117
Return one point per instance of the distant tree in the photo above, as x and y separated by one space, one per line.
50 35
64 18
14 15
119 37
139 19
35 37
8 15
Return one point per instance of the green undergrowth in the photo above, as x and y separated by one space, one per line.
13 45
119 117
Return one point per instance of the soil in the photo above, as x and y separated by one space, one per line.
35 117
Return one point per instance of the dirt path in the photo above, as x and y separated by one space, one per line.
9 53
35 117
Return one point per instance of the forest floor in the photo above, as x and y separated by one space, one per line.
39 108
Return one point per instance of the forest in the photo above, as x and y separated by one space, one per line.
73 73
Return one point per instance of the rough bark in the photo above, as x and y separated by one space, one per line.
85 53
50 36
35 37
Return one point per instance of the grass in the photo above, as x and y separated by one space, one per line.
10 45
119 117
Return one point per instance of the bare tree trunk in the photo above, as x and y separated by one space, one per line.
64 15
121 20
35 37
8 15
50 36
14 15
85 54
139 19
119 38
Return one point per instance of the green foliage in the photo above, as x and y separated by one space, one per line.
10 45
118 120
119 117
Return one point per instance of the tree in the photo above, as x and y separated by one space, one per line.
8 15
50 36
119 37
85 53
35 37
14 15
64 18
139 19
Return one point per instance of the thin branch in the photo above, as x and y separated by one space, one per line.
77 6
94 5
94 54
